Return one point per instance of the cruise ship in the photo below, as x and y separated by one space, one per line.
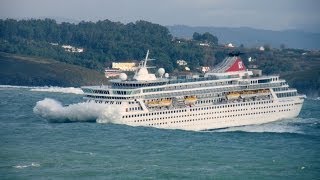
229 95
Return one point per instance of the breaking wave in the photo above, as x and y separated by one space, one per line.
72 90
22 166
58 89
15 87
55 112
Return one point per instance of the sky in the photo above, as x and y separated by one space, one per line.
260 14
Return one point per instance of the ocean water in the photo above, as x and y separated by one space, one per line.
32 147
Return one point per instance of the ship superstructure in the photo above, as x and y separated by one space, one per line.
229 95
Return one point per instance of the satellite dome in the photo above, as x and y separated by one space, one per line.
123 76
161 71
166 75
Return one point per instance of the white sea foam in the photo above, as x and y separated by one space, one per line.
58 89
83 152
22 166
54 111
72 90
109 115
15 87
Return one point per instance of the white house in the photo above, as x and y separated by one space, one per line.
182 62
230 45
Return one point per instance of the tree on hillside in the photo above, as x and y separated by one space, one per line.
103 41
207 37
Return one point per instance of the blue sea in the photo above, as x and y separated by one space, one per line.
34 147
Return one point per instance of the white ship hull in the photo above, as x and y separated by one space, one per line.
218 116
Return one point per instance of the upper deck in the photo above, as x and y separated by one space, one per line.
143 83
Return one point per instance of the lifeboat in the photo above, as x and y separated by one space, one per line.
165 102
153 103
263 92
190 100
233 95
248 94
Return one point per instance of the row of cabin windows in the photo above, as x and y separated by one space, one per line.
122 92
106 97
283 110
153 90
253 81
239 105
207 92
280 89
106 102
136 85
133 109
200 85
95 91
283 105
286 94
207 101
207 108
202 114
133 102
233 105
101 92
155 113
203 118
263 81
243 104
257 81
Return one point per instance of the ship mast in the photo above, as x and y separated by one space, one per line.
146 59
142 73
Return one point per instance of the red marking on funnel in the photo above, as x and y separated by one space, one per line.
237 66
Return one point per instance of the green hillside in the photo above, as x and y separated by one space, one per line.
103 41
35 71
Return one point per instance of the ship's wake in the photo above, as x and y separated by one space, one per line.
282 126
55 112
